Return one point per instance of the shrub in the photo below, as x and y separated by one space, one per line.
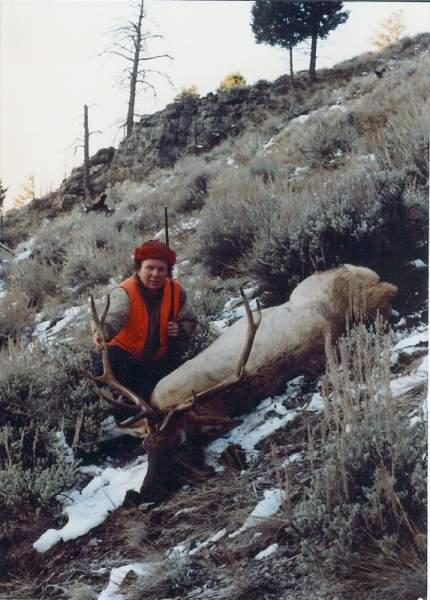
362 219
51 246
367 496
247 146
326 137
238 210
188 94
34 469
16 315
37 280
86 269
97 255
232 80
267 169
150 217
191 185
42 393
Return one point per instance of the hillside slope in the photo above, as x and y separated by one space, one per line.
325 174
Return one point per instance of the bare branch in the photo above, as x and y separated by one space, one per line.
158 56
129 58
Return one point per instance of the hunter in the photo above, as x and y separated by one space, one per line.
148 323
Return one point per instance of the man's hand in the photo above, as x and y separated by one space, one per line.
172 329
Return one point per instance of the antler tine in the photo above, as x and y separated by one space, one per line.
107 376
252 330
104 396
233 379
105 310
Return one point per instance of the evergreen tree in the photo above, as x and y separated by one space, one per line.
279 23
320 19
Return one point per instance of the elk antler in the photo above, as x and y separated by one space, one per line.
140 406
232 380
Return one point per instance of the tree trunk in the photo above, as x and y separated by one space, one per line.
87 181
135 70
132 97
291 65
312 65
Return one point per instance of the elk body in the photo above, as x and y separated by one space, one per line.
251 360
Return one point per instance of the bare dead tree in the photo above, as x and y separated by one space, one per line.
131 45
87 180
86 146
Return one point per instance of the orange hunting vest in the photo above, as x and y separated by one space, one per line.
132 337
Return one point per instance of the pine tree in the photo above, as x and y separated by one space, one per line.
319 20
279 23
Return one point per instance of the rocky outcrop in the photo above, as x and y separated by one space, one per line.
192 126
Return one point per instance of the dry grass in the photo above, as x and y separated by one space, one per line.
16 315
367 496
239 209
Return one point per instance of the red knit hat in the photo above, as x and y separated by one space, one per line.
157 250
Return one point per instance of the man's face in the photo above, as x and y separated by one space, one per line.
153 273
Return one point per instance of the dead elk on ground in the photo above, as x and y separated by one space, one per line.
238 370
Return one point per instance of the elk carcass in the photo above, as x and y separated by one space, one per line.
250 361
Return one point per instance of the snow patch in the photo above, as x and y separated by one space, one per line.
45 334
301 119
255 427
266 508
117 576
367 157
268 144
337 107
418 264
267 552
69 457
211 540
90 507
411 340
401 385
189 225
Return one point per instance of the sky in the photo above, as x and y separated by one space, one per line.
53 61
